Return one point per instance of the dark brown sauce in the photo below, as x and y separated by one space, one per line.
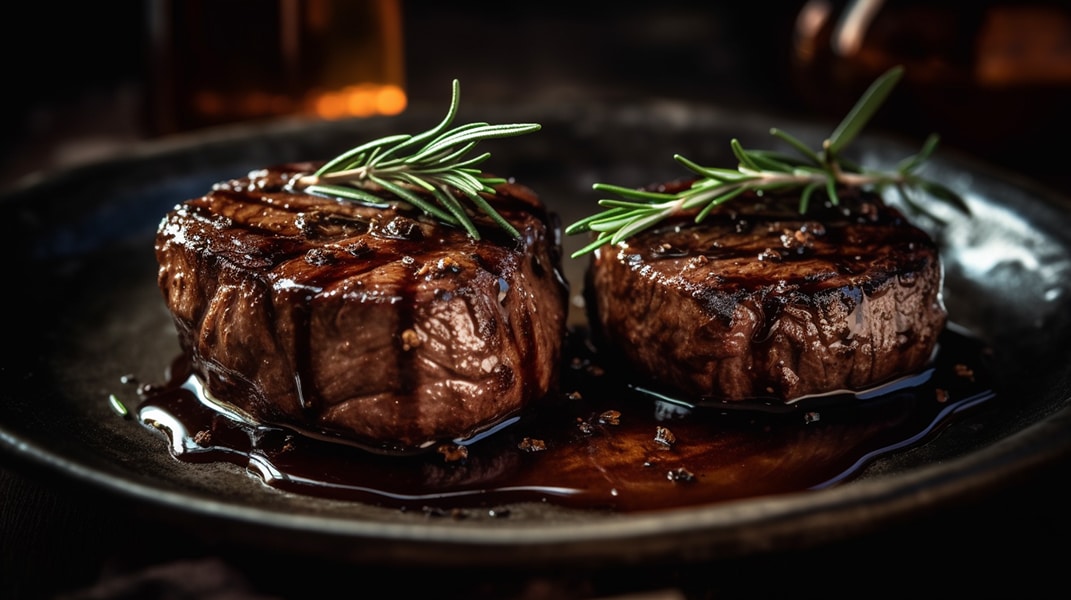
602 443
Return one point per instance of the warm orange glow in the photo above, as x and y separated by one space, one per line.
360 100
391 100
329 105
364 100
1024 45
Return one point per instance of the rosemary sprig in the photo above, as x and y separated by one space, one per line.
763 170
405 165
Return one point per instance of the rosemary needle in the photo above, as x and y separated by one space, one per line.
412 167
812 171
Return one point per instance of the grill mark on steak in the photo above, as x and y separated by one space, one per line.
367 325
760 302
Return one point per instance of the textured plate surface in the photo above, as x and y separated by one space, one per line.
82 268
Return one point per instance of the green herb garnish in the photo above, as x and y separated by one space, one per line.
764 170
406 165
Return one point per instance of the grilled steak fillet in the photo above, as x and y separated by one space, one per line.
371 326
761 302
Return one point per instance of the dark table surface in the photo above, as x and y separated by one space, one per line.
60 539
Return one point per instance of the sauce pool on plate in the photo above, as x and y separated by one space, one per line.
601 443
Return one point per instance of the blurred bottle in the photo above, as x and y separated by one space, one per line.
992 77
223 61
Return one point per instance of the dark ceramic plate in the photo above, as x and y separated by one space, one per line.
81 267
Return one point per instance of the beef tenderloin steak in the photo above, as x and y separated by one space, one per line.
759 302
366 325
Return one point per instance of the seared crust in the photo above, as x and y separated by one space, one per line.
365 325
760 302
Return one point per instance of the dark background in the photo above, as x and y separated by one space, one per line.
77 89
78 80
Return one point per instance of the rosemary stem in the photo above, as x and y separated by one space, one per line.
436 163
358 174
767 171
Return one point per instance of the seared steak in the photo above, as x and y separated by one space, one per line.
367 325
761 302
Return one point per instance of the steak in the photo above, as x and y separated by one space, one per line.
368 325
759 302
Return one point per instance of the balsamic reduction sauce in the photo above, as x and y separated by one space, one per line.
601 443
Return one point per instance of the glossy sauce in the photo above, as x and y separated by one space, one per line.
601 443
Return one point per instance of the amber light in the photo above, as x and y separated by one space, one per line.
363 100
1023 45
